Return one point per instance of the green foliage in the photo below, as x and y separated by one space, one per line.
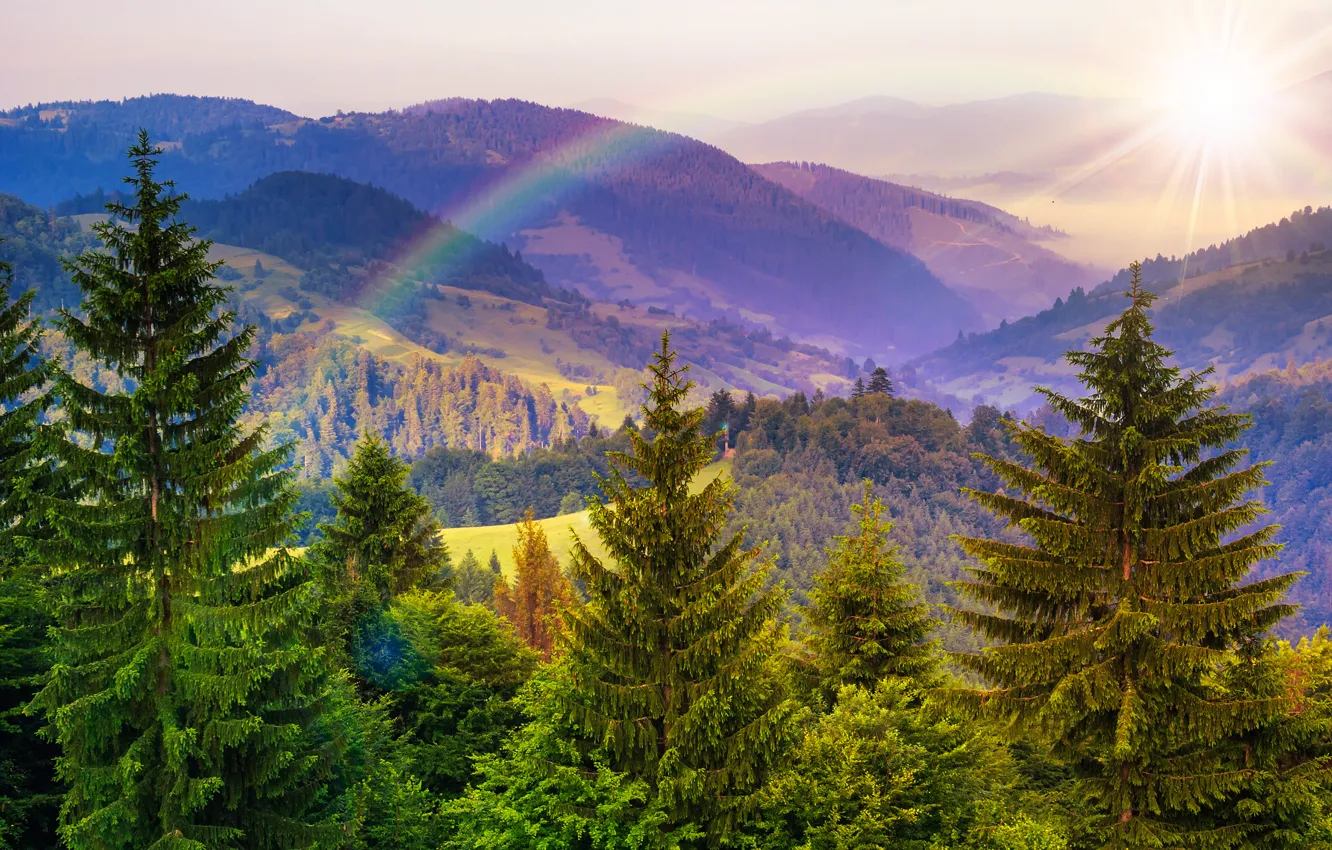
369 800
383 538
473 583
1285 799
381 543
880 770
459 481
31 245
669 655
464 708
28 791
879 383
866 623
799 468
180 686
544 792
323 391
1113 619
1292 428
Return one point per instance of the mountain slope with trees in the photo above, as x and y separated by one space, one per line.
340 324
706 231
1005 266
1248 305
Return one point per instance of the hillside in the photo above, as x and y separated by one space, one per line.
615 210
1248 305
580 356
333 313
1003 265
342 241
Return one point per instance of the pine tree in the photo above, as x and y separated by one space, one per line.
721 414
880 383
540 590
867 623
1117 615
669 655
494 563
384 540
180 687
28 793
1285 799
858 391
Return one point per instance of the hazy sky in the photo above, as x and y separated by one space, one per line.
743 60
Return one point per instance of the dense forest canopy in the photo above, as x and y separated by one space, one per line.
748 662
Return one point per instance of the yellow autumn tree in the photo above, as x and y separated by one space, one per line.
540 590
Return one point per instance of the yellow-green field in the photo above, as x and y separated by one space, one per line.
492 322
560 531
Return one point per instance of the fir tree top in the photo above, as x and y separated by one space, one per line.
1116 615
670 654
384 535
879 383
868 624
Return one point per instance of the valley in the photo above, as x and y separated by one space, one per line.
478 473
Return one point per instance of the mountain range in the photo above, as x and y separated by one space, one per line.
616 211
1120 175
1002 264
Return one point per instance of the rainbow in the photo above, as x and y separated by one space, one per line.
503 206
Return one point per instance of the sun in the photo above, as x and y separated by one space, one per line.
1215 100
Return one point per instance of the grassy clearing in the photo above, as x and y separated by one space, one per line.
560 531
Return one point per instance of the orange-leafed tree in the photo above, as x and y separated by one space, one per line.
540 590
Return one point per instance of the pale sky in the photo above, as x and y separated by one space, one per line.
730 58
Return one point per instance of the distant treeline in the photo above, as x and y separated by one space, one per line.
1305 231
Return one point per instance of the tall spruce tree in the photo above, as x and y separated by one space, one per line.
868 624
180 686
669 655
28 791
1114 620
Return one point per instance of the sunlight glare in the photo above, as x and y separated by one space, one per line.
1215 101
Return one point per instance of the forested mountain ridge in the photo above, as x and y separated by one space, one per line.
1248 305
315 258
1004 265
616 210
1292 428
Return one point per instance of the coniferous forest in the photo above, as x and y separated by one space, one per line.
219 632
